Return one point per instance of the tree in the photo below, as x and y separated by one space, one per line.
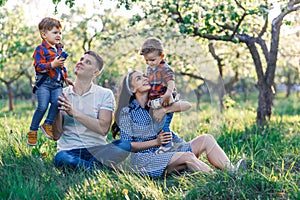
16 47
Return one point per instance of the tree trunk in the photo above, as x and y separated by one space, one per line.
265 102
289 85
245 89
10 97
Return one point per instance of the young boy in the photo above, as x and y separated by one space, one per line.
50 74
161 78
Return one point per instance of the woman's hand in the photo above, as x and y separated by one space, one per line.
158 114
65 105
164 138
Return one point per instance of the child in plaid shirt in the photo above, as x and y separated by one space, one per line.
162 81
50 75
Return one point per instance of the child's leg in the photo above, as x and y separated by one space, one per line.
166 127
176 138
46 128
43 98
53 110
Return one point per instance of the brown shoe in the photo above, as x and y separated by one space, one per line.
32 138
48 132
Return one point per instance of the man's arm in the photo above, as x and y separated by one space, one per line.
100 125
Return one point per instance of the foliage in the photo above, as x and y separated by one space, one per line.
230 21
272 155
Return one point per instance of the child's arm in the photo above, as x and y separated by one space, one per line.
40 63
69 82
166 97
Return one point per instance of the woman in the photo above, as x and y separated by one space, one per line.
137 126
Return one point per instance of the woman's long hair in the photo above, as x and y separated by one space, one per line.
123 99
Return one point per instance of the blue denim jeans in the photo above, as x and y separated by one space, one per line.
48 92
166 128
93 158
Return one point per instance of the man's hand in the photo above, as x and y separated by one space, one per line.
65 105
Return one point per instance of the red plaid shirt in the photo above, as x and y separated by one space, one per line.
43 55
158 79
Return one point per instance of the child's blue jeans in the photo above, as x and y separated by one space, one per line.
48 92
166 128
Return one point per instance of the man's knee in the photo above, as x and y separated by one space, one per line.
64 159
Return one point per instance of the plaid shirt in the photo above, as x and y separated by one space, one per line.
43 55
158 79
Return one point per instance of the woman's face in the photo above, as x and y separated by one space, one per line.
139 82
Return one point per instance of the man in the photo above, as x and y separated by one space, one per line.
84 120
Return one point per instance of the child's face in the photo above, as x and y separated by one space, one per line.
153 59
53 36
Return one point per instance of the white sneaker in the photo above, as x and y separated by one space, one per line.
162 149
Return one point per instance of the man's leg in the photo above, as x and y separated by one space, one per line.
75 159
112 153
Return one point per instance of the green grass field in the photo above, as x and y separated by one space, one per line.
272 155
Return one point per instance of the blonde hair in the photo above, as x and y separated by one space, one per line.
152 44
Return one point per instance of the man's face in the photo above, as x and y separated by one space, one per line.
86 66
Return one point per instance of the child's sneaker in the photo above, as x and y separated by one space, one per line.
163 149
32 138
48 132
177 139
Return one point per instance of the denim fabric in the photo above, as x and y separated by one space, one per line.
169 117
93 158
166 128
47 93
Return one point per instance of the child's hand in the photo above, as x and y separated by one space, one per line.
69 82
166 99
58 62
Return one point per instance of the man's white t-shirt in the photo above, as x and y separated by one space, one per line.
75 135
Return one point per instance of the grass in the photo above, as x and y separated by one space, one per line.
272 154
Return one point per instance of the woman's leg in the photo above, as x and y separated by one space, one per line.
215 154
186 160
